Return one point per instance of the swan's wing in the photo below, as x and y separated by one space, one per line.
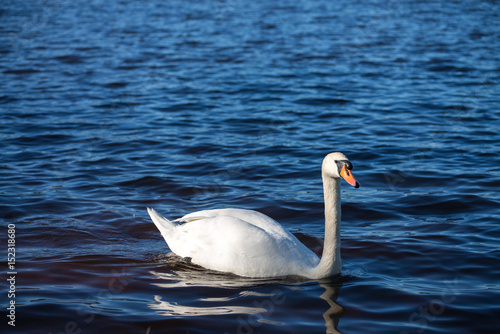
250 216
243 242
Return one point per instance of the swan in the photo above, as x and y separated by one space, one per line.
249 243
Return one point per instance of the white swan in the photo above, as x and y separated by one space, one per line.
251 244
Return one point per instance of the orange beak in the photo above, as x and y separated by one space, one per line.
347 175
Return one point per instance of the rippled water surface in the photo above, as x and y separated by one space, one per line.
111 106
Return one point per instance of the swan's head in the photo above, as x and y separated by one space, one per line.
336 165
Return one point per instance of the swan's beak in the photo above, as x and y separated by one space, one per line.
347 175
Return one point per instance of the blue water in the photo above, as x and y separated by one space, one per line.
111 106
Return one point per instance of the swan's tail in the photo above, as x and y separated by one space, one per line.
166 227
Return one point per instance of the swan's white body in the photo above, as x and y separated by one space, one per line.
244 242
251 244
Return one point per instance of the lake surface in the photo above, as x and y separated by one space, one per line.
108 107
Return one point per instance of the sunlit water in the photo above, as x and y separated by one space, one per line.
111 106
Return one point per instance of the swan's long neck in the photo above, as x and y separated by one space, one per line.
331 263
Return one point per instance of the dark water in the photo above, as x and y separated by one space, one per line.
111 106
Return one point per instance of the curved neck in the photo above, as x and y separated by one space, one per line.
330 263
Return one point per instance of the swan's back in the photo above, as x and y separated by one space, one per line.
250 216
244 242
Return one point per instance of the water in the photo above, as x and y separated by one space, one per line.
109 107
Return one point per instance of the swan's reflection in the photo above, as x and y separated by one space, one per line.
170 309
335 312
258 301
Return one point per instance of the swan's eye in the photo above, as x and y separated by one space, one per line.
342 163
